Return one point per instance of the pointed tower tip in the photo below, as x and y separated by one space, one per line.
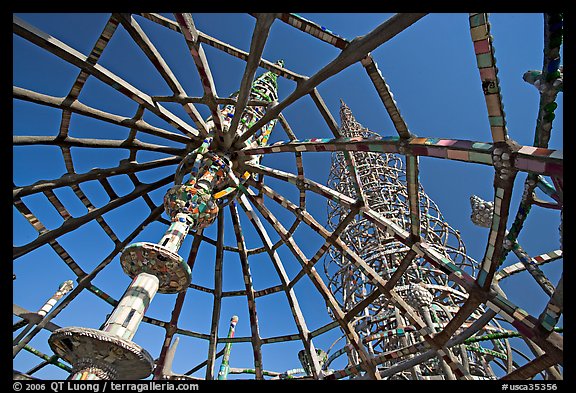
169 359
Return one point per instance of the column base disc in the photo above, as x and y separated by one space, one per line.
75 344
172 272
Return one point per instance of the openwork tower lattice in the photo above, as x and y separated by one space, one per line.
381 324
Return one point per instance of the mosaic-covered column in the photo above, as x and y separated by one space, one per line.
63 289
109 353
225 366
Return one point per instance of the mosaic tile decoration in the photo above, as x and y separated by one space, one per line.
494 248
314 29
191 35
519 266
483 48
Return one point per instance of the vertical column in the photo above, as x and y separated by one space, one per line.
128 314
176 233
225 366
63 289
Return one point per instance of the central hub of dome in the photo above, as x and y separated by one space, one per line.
209 176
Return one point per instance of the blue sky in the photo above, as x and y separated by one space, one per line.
432 72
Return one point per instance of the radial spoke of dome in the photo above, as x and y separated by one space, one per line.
328 193
75 222
191 36
77 107
298 156
350 161
76 58
314 30
321 287
94 143
68 260
86 280
94 174
255 337
229 49
217 306
303 331
99 46
358 48
173 325
386 96
33 220
286 127
68 162
140 37
495 247
259 36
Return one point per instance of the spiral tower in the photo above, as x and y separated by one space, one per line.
381 324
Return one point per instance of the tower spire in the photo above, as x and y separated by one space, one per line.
349 126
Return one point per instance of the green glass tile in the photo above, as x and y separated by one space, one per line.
485 158
482 277
477 19
496 121
482 146
484 60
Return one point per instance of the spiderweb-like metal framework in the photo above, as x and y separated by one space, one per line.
167 150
